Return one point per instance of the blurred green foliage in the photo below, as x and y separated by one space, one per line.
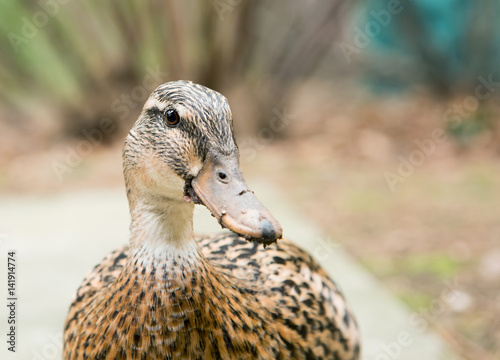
80 56
90 60
442 266
416 300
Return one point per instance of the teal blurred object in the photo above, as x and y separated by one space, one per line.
445 45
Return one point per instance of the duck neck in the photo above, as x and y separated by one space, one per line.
162 227
182 294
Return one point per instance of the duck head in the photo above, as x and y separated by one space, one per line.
182 151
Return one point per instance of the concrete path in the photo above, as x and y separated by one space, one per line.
59 238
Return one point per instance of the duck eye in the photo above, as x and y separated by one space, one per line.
172 118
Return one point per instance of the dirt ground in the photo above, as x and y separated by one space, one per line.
440 228
420 211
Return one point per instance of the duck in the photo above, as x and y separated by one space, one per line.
171 294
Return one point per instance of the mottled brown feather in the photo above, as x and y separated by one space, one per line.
268 303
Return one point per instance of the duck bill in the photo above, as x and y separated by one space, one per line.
220 186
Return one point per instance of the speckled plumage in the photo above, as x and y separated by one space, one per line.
172 295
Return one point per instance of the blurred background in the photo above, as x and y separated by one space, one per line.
378 119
